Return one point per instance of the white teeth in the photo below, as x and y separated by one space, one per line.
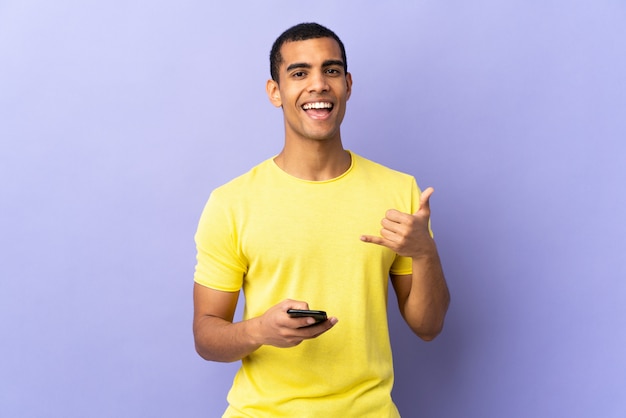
317 105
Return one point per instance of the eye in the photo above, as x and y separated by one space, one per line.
333 71
298 74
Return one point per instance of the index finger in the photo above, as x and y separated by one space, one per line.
395 215
315 330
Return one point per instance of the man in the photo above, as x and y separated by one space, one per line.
303 230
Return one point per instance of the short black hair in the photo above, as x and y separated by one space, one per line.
302 32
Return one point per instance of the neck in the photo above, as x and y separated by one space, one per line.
314 161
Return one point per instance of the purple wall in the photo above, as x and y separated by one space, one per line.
118 118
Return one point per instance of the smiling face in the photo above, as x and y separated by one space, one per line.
313 89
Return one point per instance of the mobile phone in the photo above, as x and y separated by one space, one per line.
319 316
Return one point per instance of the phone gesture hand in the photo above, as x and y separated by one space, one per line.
407 235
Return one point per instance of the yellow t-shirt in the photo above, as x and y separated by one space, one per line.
277 237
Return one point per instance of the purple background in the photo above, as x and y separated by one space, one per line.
118 118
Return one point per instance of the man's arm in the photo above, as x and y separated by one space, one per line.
423 296
217 338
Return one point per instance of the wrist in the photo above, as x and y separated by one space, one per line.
252 332
427 251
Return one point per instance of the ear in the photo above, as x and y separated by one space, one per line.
273 92
348 85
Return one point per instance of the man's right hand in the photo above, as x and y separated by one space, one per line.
217 338
275 327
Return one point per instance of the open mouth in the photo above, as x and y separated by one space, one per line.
317 109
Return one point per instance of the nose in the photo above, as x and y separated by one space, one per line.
318 82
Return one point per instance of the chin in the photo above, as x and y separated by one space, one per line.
323 136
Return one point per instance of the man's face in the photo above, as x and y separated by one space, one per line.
313 89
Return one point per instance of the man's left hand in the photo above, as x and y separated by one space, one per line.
407 235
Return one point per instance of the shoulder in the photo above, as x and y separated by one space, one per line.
231 197
379 171
247 182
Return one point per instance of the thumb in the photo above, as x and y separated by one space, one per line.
425 200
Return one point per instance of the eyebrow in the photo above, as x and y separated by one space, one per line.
327 63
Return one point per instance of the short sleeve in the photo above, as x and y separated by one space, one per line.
219 264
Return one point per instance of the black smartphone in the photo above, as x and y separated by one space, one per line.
319 316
